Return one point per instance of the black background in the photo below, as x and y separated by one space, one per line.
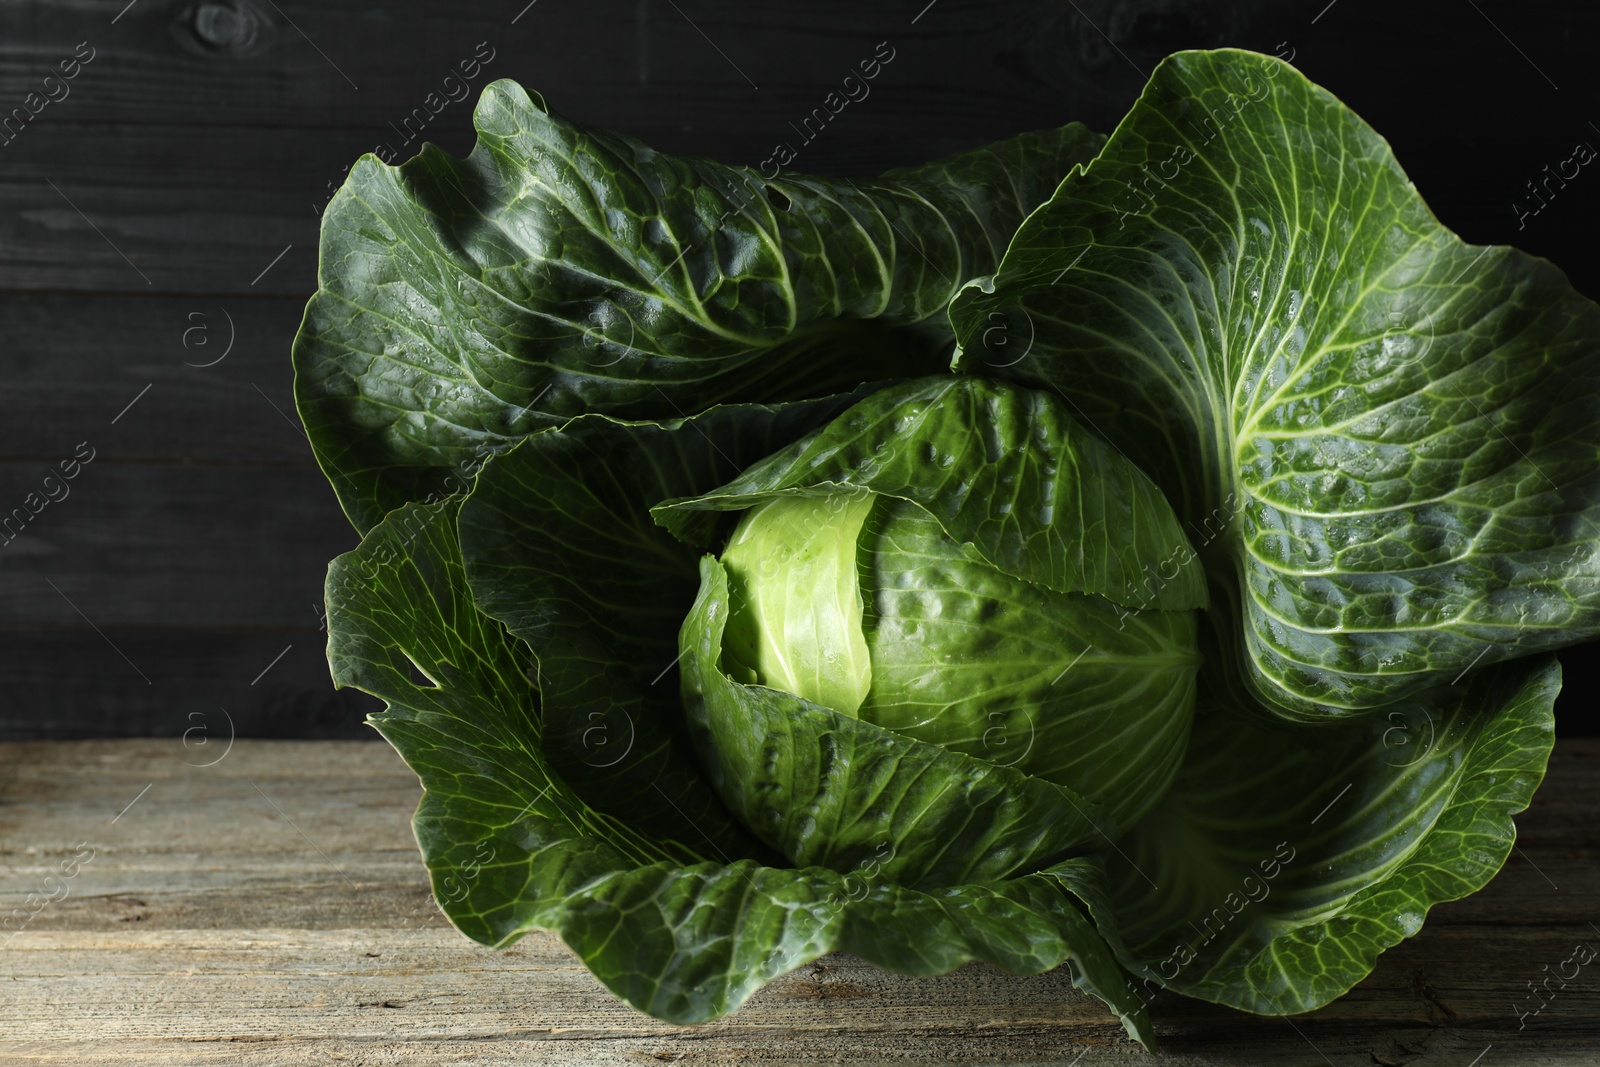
146 211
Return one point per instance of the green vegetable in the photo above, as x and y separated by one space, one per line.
1194 634
864 603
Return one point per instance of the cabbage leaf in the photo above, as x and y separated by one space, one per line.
1384 441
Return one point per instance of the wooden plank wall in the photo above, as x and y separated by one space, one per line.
168 204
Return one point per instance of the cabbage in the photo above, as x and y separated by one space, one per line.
1142 554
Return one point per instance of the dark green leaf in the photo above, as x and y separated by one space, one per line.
561 269
1390 437
1286 858
559 546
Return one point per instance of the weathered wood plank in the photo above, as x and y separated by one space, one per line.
74 361
271 909
196 539
139 545
170 209
201 161
72 683
181 63
157 66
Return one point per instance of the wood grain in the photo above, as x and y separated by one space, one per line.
271 909
146 524
74 682
201 162
61 372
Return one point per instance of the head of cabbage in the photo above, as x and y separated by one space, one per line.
860 602
943 662
951 574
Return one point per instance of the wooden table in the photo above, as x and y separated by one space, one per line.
271 909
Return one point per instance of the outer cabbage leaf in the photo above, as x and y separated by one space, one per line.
1390 440
511 846
545 534
1008 474
561 269
1289 857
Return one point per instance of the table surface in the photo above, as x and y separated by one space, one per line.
270 908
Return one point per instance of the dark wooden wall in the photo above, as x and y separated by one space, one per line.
175 189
